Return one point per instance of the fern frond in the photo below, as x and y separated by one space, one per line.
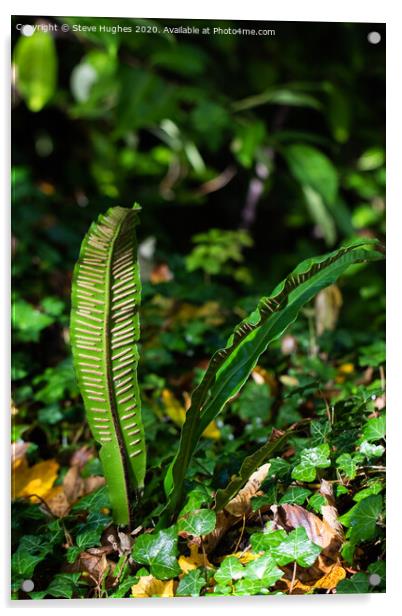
106 294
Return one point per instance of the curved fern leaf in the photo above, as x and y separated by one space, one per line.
106 294
230 367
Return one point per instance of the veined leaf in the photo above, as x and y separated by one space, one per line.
230 367
104 331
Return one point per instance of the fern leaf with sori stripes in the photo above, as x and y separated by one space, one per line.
106 295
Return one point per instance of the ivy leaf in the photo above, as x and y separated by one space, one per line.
347 465
296 547
159 551
371 451
375 488
358 583
94 501
90 533
279 468
23 563
260 542
264 569
199 496
221 590
362 518
251 587
198 523
310 460
374 430
377 568
295 495
62 586
316 502
191 584
230 569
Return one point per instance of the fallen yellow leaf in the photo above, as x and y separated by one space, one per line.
195 560
327 582
149 586
245 557
347 368
331 579
31 481
177 413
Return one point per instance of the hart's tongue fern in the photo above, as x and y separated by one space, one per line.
104 331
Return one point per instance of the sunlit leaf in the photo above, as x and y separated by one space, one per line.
36 64
159 551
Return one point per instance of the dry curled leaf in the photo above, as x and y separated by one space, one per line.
94 565
61 498
240 505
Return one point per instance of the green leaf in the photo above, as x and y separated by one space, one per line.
295 495
230 569
28 321
104 331
374 488
374 430
362 518
99 499
230 367
312 168
191 584
35 60
89 534
279 468
316 502
198 523
278 96
296 547
358 583
63 585
23 563
377 568
264 569
221 590
262 541
371 451
196 498
158 550
311 459
347 465
251 587
320 214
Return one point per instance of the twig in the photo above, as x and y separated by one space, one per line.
241 534
292 583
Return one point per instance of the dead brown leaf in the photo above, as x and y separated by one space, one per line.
94 565
241 504
319 531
